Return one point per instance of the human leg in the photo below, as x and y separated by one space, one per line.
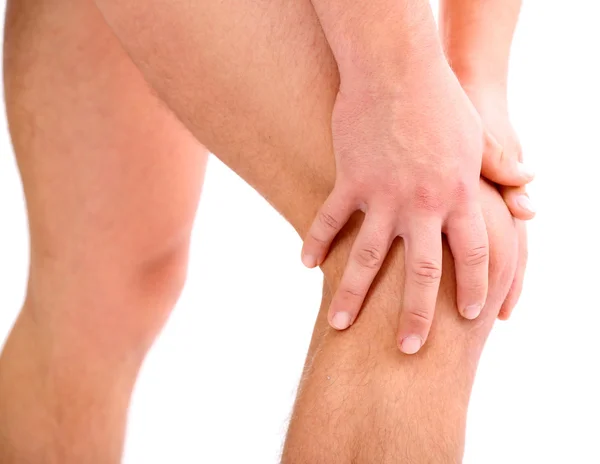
255 81
360 401
111 181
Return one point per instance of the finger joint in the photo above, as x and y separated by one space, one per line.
427 272
369 257
328 221
477 256
421 314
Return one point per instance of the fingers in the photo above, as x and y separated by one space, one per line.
423 244
502 167
366 257
518 202
330 219
468 240
517 286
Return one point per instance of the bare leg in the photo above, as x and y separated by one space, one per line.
112 181
255 82
361 401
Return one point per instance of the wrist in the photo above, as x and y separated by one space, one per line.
484 93
379 54
477 38
474 70
391 73
473 57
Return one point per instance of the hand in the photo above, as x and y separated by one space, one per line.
409 156
503 158
502 163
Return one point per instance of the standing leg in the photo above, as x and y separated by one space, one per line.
112 181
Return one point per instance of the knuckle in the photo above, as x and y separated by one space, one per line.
328 221
427 198
421 315
477 256
461 192
349 292
369 257
320 241
389 186
427 272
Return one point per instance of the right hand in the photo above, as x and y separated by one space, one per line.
408 154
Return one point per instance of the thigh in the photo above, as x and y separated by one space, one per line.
110 176
255 80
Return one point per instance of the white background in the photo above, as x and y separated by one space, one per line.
219 384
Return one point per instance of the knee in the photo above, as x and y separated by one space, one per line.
156 285
108 304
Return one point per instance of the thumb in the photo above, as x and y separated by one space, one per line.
502 167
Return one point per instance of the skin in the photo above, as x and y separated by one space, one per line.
477 39
111 182
292 35
411 183
109 245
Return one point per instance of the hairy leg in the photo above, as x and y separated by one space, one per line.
255 81
361 401
111 180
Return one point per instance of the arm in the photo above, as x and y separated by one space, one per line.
408 149
376 42
477 37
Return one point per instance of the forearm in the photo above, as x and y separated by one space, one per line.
380 40
477 37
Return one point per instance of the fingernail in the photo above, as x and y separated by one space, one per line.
309 260
472 312
526 171
411 344
341 320
525 203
